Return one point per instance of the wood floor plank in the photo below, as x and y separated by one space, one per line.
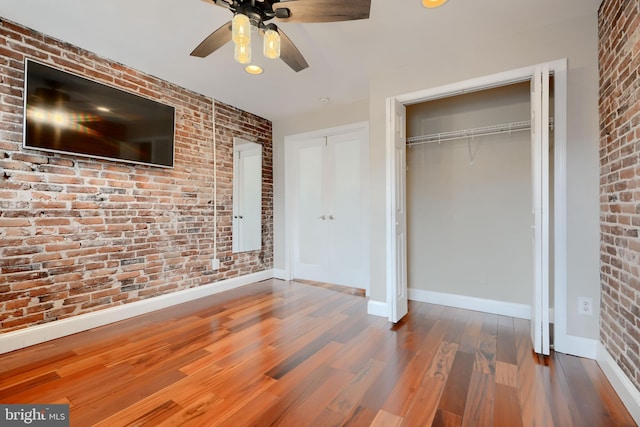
352 357
407 385
289 380
531 394
458 323
291 354
424 406
35 364
454 396
386 419
445 418
591 406
395 363
155 415
478 410
613 405
506 341
251 412
506 408
471 334
347 400
309 409
17 390
294 396
89 412
487 345
507 374
299 357
231 400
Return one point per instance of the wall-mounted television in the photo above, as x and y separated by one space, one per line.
66 113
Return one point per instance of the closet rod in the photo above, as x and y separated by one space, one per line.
468 133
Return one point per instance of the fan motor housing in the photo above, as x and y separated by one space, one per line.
256 14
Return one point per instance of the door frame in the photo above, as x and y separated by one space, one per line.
289 194
559 70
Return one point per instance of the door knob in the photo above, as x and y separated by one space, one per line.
322 217
331 217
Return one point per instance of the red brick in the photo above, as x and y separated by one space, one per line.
15 222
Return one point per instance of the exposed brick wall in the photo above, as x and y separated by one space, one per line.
78 235
619 59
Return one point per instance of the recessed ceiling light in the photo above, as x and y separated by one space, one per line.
433 3
104 109
253 69
324 100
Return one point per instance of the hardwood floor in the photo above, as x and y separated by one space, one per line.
291 354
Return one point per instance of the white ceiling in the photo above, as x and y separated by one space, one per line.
156 36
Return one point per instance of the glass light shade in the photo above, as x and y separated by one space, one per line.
271 44
241 29
242 53
433 3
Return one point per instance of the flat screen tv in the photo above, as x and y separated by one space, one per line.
66 113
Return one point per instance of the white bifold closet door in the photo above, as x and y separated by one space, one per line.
397 292
329 227
540 169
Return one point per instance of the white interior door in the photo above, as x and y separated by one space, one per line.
345 209
310 237
540 171
330 241
397 299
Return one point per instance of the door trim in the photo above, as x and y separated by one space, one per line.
289 157
559 70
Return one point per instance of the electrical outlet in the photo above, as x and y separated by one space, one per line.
585 306
215 264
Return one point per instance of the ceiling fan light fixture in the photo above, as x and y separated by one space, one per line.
242 53
433 3
271 44
241 29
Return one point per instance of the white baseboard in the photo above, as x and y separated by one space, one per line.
377 308
521 311
40 333
281 274
628 393
576 346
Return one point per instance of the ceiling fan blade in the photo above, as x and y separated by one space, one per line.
215 41
324 11
222 3
290 54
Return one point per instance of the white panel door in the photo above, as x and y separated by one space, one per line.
345 210
310 239
397 299
540 170
329 229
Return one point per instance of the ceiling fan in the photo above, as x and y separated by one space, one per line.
261 11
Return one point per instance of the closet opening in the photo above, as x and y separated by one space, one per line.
548 215
469 198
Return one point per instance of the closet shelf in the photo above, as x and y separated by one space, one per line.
470 133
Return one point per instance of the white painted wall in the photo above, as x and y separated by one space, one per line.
575 40
469 215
